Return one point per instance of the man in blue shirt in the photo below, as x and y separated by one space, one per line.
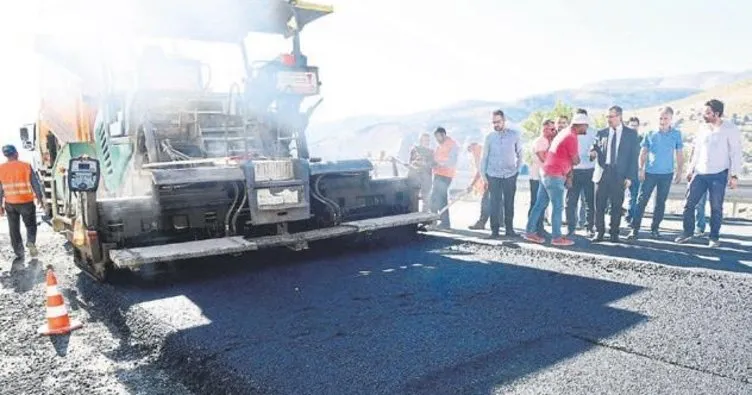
499 166
657 170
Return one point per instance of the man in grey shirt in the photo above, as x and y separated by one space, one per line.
499 166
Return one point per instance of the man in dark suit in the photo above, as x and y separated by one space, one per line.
616 149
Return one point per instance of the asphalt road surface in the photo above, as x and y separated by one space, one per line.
448 314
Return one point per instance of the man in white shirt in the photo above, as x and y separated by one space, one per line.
582 184
716 162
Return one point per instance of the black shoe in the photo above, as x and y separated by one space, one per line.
477 226
634 235
493 236
597 238
590 234
614 238
510 233
655 234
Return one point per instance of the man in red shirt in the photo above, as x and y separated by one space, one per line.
555 177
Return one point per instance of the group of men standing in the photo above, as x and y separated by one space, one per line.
573 164
432 171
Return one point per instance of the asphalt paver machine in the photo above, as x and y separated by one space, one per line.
154 167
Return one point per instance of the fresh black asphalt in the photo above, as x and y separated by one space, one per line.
434 316
437 316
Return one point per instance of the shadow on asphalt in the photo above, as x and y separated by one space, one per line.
663 250
419 319
22 276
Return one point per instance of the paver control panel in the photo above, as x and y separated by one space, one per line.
83 174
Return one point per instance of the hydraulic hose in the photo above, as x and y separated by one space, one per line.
237 212
329 203
232 207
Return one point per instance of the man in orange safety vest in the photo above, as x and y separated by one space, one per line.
19 185
444 169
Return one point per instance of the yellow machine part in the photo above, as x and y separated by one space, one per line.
79 232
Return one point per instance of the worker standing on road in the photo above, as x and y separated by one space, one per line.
716 162
555 177
445 168
420 164
18 186
540 151
500 165
615 152
657 171
583 189
480 188
700 209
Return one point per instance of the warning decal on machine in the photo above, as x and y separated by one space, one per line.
300 82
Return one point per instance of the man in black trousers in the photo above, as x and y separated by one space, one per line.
615 151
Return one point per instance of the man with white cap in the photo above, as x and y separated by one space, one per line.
582 190
563 155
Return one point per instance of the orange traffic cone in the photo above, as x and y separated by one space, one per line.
58 322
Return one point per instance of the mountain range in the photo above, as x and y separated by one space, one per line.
468 121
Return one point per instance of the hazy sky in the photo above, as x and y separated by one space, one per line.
401 56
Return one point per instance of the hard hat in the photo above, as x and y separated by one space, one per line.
9 150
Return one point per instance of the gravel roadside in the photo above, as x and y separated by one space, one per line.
99 358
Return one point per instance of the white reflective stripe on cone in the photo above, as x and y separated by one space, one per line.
52 290
56 311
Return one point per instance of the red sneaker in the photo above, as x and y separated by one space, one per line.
534 238
562 242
